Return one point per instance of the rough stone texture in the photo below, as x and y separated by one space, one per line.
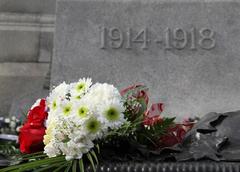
19 46
23 102
189 82
13 87
26 32
46 47
22 83
26 37
24 69
28 6
27 22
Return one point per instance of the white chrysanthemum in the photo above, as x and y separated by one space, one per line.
48 137
100 93
111 114
58 92
51 150
75 150
82 110
55 99
79 114
79 88
77 135
66 108
93 127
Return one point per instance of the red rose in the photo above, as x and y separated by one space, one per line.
153 115
32 132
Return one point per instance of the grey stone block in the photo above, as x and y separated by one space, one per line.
24 69
26 37
46 47
20 89
187 52
21 83
28 6
19 46
23 102
27 22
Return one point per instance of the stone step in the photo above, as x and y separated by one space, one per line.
27 22
23 69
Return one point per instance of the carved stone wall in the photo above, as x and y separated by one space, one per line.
26 43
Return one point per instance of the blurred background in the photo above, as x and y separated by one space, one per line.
26 46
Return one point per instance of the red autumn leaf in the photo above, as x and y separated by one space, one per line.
153 115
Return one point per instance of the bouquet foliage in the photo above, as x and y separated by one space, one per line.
66 131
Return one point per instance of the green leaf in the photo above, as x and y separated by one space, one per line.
94 156
149 139
47 167
98 148
68 167
91 161
143 106
34 164
60 168
35 157
32 154
81 165
74 166
8 149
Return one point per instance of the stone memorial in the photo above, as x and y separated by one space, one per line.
187 52
26 44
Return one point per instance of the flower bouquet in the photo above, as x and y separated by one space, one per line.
73 127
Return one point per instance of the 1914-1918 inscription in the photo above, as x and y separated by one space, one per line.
186 51
177 38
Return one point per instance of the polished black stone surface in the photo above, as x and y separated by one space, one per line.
171 167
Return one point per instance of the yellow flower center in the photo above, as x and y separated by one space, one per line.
80 87
67 110
82 111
